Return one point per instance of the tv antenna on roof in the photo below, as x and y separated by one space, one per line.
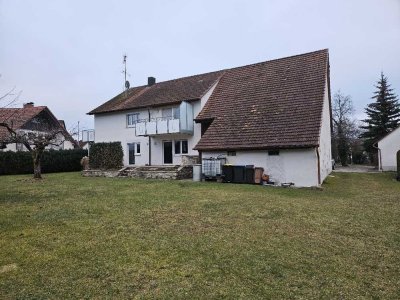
126 82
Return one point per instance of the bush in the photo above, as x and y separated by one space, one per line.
106 156
52 161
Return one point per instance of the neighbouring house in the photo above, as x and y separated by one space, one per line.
388 147
33 118
84 145
274 114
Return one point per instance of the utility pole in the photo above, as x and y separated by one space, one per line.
126 82
124 71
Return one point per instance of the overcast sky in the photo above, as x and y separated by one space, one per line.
68 54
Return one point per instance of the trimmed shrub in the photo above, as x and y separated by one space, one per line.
106 156
62 160
52 161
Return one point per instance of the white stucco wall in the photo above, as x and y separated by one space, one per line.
112 127
298 165
389 146
66 145
10 147
325 148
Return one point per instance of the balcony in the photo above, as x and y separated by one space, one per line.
160 126
168 125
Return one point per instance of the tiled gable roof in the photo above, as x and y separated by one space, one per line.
268 105
274 104
162 93
17 117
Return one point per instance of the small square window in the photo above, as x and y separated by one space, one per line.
231 153
273 152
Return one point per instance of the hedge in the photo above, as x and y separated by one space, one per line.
106 156
52 161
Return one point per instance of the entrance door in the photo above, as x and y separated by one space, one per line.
167 148
131 152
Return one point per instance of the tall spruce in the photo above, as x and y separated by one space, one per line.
383 115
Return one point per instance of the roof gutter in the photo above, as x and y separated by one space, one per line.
251 148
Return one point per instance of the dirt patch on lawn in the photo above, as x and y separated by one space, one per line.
8 268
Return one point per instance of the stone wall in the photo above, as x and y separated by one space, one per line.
150 172
188 160
100 173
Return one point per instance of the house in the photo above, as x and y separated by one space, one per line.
274 114
388 147
33 118
83 145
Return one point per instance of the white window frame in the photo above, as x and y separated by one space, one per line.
138 153
133 123
173 112
180 150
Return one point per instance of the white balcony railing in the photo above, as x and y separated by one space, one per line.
156 126
159 126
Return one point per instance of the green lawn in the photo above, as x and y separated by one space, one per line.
73 237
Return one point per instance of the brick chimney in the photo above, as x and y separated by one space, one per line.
151 81
29 104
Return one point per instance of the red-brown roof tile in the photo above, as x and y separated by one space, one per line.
162 93
17 117
274 104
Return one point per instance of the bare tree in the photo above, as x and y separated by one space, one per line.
344 126
39 134
35 141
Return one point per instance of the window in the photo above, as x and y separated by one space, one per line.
273 152
137 148
167 113
132 119
20 147
231 153
181 147
171 113
176 112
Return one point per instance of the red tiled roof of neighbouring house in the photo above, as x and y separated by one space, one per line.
162 93
274 104
16 118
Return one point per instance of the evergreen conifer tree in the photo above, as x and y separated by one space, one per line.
383 115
